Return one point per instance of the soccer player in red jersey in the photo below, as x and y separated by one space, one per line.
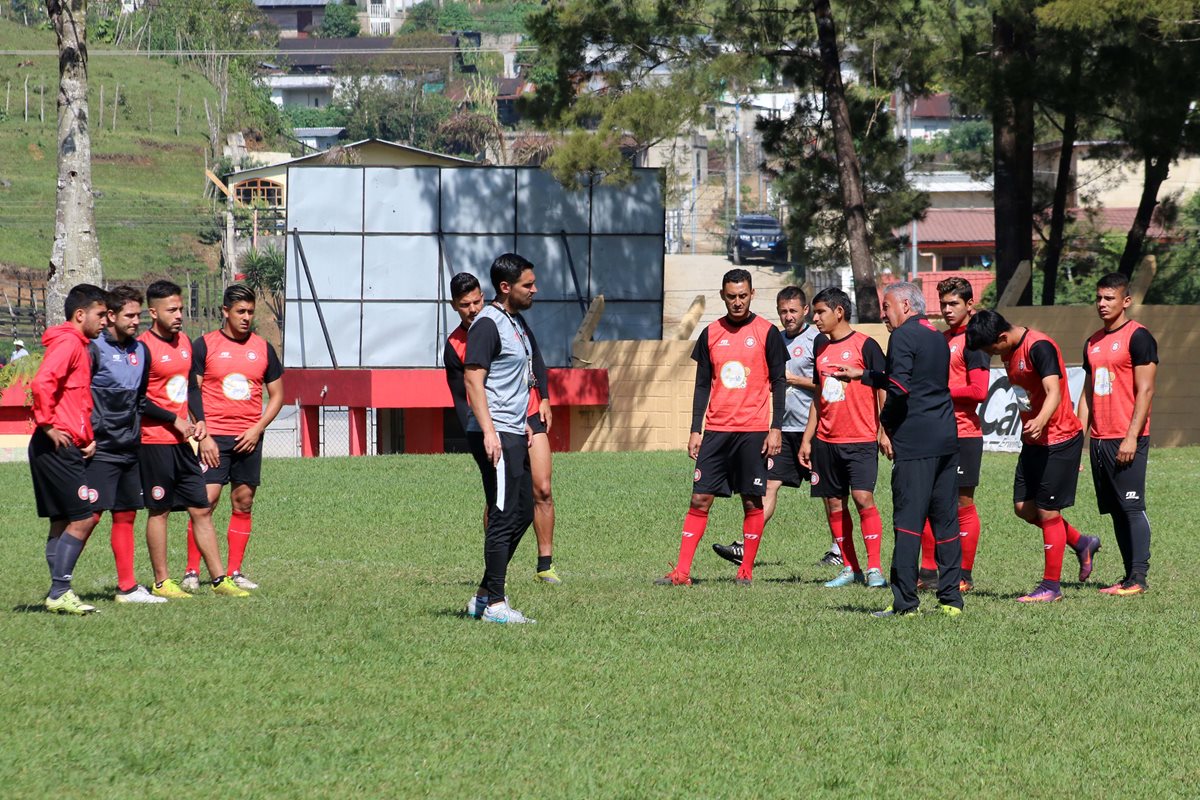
171 475
64 439
230 368
968 388
1052 442
1121 362
466 298
843 437
739 399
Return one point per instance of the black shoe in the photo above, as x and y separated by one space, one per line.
730 552
830 559
927 580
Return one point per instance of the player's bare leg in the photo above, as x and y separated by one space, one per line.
541 468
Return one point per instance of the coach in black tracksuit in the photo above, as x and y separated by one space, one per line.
918 415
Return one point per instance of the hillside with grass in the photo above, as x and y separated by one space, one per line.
149 181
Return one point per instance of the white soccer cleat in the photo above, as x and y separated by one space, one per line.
242 582
190 582
139 594
505 615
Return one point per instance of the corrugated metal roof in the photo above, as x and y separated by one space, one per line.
977 226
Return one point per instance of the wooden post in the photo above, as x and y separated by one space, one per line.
254 229
101 107
27 98
42 102
116 104
7 95
149 115
178 97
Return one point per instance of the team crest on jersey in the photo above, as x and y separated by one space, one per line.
797 352
696 475
183 353
93 495
734 374
750 341
814 479
1116 346
83 493
1021 364
953 348
845 355
133 359
770 463
158 493
252 355
203 468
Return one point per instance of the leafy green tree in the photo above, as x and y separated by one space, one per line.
340 21
1178 279
385 108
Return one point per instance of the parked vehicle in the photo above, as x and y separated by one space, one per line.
756 236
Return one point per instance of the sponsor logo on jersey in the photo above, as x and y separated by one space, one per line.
723 343
236 386
758 481
1096 349
83 493
116 357
225 354
177 389
734 375
93 495
1131 496
165 357
158 493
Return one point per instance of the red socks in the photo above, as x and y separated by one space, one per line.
872 531
968 531
841 526
237 537
122 547
193 552
693 529
752 529
928 562
1054 536
1072 534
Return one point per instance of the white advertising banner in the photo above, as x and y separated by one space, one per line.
999 410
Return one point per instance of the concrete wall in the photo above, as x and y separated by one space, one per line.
650 382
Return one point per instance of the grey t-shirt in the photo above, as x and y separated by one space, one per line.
800 362
497 344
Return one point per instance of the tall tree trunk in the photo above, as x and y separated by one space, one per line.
75 257
849 173
1058 210
1012 146
1156 172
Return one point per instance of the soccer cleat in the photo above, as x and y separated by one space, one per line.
949 611
548 576
965 586
242 581
927 580
1041 594
875 579
138 594
744 578
830 559
744 581
673 578
68 603
1114 587
1085 556
846 577
227 588
190 582
170 590
1126 588
890 612
475 606
730 552
505 615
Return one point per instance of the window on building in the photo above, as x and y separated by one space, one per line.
261 190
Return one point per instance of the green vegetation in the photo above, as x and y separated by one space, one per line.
340 21
505 16
351 674
149 182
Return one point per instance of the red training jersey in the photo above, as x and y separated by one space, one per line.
233 374
170 366
62 386
1109 358
740 398
968 387
1026 368
847 410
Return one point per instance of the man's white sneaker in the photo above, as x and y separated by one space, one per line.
190 582
242 582
504 614
139 594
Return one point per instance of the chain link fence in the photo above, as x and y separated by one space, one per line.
282 438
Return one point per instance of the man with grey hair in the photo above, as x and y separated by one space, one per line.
918 415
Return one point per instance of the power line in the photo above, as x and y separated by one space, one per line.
280 55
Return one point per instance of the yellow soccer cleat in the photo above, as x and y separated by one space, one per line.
170 590
227 588
69 603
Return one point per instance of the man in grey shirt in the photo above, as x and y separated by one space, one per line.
785 469
499 375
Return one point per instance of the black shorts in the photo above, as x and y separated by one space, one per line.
1119 489
535 424
731 461
171 477
234 468
838 469
970 461
1048 475
59 479
115 485
786 467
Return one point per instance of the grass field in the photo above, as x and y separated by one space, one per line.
151 181
352 674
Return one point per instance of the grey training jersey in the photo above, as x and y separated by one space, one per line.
800 362
503 349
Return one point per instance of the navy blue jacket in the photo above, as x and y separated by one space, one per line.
119 377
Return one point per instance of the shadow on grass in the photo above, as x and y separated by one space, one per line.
849 608
30 608
798 580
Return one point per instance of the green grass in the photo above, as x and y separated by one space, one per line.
351 674
151 181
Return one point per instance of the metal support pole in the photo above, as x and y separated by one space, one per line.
312 289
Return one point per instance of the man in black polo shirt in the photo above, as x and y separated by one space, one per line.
918 415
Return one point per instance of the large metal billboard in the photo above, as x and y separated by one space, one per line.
370 252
